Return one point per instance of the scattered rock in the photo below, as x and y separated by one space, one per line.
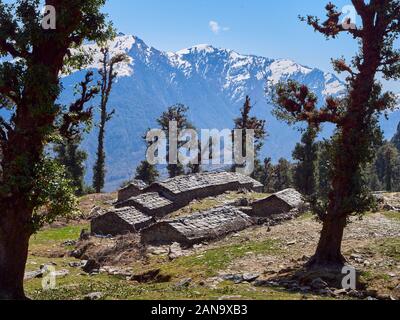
266 283
175 251
61 273
318 283
229 298
236 278
85 235
340 292
396 292
93 296
185 283
91 266
69 243
77 264
157 251
33 274
250 277
152 276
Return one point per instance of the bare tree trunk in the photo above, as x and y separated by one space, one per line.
14 242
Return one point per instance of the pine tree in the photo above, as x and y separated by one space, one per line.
177 113
354 114
396 138
265 175
306 153
147 172
283 177
29 88
387 167
245 121
72 158
108 75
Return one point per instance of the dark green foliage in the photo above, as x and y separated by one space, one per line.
72 158
387 166
354 114
264 173
306 153
146 172
33 190
245 121
177 113
283 175
396 139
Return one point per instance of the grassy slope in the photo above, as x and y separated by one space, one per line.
46 247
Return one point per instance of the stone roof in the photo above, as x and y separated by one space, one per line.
120 220
187 183
150 203
243 179
199 227
151 200
290 196
136 183
130 215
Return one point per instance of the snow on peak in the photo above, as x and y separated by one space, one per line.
282 69
333 86
120 44
206 48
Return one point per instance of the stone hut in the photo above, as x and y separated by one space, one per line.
197 228
150 203
184 189
133 189
278 203
120 221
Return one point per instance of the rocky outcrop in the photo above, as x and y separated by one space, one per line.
197 228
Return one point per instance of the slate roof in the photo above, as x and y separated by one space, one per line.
290 196
203 226
193 182
151 200
131 215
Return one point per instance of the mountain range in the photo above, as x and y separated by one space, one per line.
212 82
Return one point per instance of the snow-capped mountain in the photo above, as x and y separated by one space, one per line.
212 82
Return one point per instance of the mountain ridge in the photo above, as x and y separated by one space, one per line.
212 82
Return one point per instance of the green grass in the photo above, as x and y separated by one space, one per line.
392 215
57 235
198 267
390 248
210 262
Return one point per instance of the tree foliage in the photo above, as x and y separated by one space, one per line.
354 114
305 172
29 88
178 114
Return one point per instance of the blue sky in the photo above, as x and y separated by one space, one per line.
261 27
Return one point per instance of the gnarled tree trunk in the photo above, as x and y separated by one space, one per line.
14 242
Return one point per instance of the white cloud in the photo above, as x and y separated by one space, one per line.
216 28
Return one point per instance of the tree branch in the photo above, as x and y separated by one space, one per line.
77 113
